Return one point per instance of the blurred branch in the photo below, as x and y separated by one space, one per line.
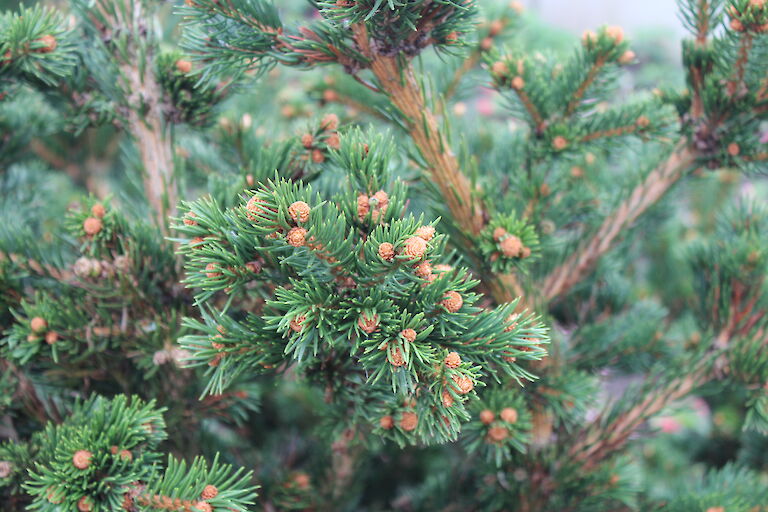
580 263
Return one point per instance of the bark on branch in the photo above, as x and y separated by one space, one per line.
579 264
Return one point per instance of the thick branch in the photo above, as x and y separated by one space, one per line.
153 142
580 263
403 90
145 121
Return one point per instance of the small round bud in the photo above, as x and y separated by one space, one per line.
92 225
423 269
733 149
38 324
82 459
465 384
495 28
330 122
368 325
447 399
452 301
307 140
616 33
249 180
518 83
415 247
499 233
511 246
299 211
212 271
486 44
363 206
329 95
5 468
333 141
589 37
85 504
408 335
301 480
497 434
51 337
500 69
197 242
425 232
381 198
297 323
296 237
253 267
317 156
98 210
126 455
189 219
452 38
628 57
577 172
453 360
386 251
396 358
183 66
509 415
49 44
486 416
559 143
643 122
209 492
203 506
409 421
386 422
736 25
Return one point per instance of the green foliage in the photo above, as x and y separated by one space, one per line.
334 304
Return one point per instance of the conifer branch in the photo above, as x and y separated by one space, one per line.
579 264
582 90
400 84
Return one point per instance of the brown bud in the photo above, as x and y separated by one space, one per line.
92 225
98 210
509 415
486 416
49 44
183 66
38 324
409 421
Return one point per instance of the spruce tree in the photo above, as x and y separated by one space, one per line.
265 255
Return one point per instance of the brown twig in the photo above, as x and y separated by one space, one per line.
649 192
582 90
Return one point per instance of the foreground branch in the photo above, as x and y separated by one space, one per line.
645 195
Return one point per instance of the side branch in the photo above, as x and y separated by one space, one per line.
645 195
